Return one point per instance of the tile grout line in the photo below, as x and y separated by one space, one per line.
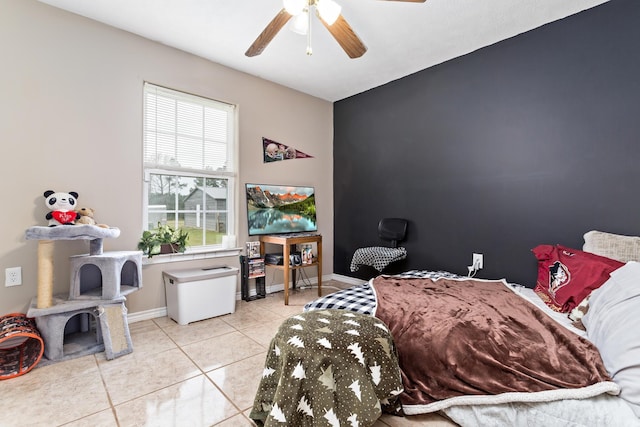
272 307
204 373
106 390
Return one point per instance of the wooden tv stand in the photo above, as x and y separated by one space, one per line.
288 242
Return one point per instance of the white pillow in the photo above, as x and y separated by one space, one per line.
614 246
612 324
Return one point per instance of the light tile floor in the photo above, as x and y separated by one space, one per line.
202 374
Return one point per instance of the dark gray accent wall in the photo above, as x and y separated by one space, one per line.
533 140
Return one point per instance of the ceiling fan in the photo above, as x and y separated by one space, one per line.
328 11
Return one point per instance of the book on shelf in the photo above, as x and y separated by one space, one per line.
256 268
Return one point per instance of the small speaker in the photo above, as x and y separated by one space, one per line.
295 259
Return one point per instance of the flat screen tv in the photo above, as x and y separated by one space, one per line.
280 209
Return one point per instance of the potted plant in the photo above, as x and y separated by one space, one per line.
163 239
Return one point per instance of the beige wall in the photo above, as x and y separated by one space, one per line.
71 119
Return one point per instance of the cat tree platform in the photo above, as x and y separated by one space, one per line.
46 237
67 329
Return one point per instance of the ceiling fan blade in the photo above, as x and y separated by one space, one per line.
268 33
346 37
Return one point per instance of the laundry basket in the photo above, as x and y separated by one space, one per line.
21 346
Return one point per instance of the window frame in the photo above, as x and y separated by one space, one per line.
229 174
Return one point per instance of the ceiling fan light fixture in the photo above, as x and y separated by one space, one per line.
329 14
294 7
300 23
328 10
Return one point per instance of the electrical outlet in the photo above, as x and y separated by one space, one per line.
478 261
13 276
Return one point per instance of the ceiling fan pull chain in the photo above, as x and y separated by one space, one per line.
309 50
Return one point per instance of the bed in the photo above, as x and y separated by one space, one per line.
481 352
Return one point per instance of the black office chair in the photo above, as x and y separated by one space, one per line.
392 230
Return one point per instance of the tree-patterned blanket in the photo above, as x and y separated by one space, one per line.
327 368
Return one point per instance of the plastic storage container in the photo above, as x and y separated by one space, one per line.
197 294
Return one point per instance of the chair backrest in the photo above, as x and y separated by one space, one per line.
393 230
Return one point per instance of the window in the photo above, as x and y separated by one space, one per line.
189 165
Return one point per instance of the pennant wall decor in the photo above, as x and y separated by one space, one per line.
274 151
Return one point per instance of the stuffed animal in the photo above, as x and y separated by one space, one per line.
86 217
62 207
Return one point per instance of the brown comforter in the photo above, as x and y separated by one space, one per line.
475 338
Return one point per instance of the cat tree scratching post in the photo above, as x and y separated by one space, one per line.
45 269
45 273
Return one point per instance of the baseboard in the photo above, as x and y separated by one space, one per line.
279 287
347 279
154 313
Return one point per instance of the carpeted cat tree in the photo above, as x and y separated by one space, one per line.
92 317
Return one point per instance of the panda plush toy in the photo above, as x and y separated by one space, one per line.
62 207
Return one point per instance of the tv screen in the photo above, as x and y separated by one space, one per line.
280 209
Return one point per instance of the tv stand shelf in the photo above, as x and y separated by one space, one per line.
288 242
252 268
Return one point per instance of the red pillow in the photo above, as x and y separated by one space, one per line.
567 276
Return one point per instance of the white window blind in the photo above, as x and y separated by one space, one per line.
189 168
183 131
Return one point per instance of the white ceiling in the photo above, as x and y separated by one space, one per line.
402 38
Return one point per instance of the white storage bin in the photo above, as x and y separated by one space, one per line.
197 294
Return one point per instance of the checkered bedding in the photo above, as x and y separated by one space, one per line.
362 299
377 257
358 298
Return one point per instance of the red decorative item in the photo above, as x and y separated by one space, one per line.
567 276
64 217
